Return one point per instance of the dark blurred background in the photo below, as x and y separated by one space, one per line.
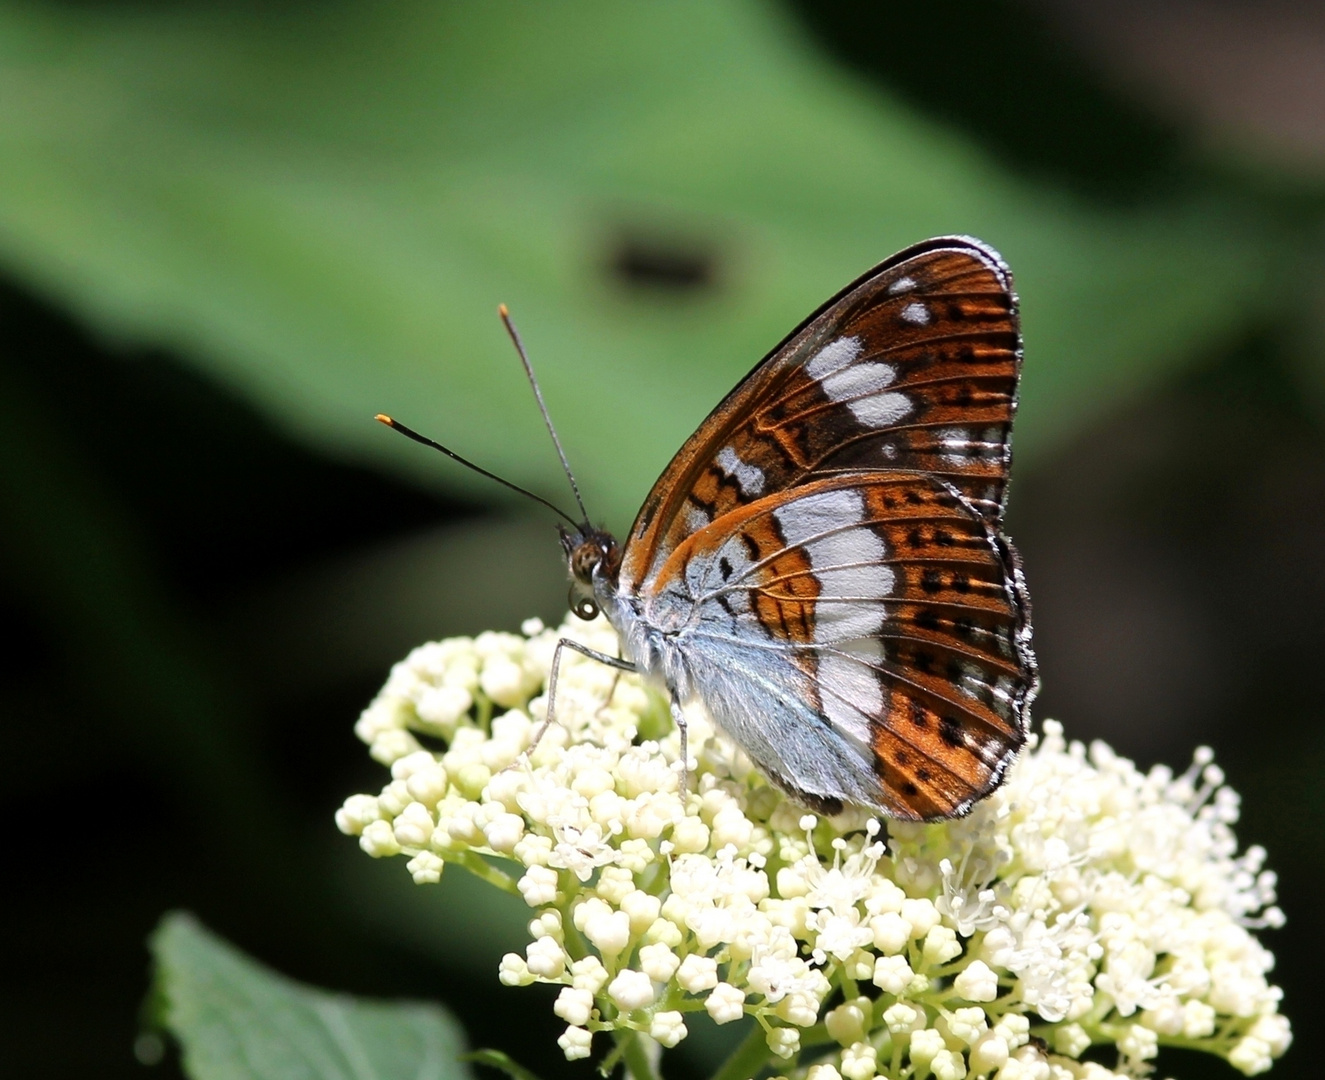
231 232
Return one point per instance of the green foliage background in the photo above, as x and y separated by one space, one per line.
233 232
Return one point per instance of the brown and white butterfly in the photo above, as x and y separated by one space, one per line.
822 564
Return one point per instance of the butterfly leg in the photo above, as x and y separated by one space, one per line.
611 693
679 719
584 650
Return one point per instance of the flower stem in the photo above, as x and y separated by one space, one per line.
636 1056
747 1059
480 867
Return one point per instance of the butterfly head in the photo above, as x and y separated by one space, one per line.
593 558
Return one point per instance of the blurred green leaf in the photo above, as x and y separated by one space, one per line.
323 205
237 1019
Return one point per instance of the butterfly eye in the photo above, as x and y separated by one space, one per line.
586 609
584 560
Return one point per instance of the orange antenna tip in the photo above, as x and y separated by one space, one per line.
503 311
382 418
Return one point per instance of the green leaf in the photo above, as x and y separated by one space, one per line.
237 1019
323 205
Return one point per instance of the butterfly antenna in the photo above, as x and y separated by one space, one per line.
410 433
542 407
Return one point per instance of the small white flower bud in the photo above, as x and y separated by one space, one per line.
1139 1042
358 812
892 974
785 1042
547 924
922 915
902 1018
891 932
631 990
926 1044
965 1024
641 908
658 962
378 839
533 850
846 1023
976 982
990 1052
426 868
948 1065
1251 1056
725 1003
823 1072
608 932
941 945
576 1043
690 835
588 974
799 1009
860 1061
1071 1040
442 706
514 971
390 745
592 781
546 958
538 886
664 932
503 832
413 828
667 1028
574 1006
1198 1021
697 973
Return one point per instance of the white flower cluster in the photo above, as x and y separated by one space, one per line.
1085 904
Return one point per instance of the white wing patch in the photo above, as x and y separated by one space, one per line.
862 388
901 285
916 313
833 357
849 689
749 478
846 557
956 443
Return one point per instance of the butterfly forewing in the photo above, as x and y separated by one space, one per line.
829 539
914 367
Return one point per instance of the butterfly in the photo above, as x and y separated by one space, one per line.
822 564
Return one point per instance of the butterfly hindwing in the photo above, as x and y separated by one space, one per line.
885 606
912 368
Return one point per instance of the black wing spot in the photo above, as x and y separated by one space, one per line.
931 581
919 715
964 628
950 731
923 774
961 582
929 620
915 538
725 568
902 757
751 546
923 662
914 498
943 538
909 788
